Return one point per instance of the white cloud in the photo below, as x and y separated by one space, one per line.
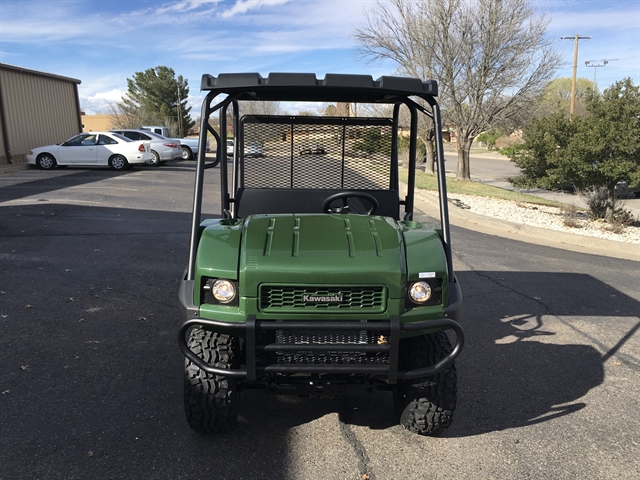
100 102
186 5
571 22
243 6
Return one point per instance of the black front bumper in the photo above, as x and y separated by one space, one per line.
250 329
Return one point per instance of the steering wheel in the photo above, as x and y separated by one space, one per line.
345 206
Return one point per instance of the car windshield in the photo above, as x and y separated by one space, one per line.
82 139
75 140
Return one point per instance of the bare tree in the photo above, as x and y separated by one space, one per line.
329 111
425 128
134 118
490 57
260 108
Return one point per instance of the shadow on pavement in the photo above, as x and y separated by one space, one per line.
516 369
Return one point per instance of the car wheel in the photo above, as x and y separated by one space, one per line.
426 405
187 154
46 161
211 401
118 162
156 159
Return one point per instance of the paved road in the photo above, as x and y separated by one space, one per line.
495 169
91 376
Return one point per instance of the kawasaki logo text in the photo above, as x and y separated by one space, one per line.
321 298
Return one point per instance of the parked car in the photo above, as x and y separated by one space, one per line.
162 148
314 149
230 147
164 131
189 145
92 148
253 149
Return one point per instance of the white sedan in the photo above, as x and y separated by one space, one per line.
93 148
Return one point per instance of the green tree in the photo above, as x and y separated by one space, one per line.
374 141
545 141
556 95
156 96
490 136
593 152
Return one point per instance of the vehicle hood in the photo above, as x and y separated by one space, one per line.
321 249
46 148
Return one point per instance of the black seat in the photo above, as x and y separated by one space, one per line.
249 201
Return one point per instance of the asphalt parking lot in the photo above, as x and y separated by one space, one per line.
91 375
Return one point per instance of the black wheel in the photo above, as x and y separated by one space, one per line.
211 401
156 159
118 162
187 154
346 206
46 161
426 405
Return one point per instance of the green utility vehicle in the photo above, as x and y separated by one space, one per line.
315 280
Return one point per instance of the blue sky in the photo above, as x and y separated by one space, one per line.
104 42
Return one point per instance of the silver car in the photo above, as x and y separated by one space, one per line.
162 148
253 149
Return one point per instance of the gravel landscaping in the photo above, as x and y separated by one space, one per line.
551 218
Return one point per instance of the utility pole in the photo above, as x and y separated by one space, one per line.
575 39
179 111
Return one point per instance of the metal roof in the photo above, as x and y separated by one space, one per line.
306 86
15 68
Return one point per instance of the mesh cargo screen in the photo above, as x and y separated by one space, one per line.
316 152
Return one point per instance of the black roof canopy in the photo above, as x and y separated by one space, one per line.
306 86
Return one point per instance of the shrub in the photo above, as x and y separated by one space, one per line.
490 136
592 153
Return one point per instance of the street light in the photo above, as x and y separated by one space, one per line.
595 68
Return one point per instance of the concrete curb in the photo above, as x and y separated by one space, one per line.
525 233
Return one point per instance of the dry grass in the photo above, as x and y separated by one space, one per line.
570 214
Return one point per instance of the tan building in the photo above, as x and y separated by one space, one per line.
36 109
96 123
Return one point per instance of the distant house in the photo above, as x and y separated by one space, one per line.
36 109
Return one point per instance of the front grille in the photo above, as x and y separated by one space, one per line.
334 338
279 298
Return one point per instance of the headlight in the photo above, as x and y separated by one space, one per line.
420 292
223 291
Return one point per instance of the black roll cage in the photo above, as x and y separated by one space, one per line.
306 87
